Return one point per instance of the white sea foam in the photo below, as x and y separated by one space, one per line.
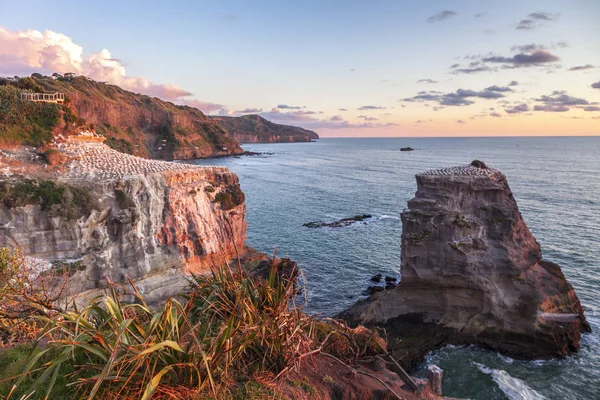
513 388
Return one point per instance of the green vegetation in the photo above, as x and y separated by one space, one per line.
231 329
231 197
25 122
209 189
120 144
68 268
69 201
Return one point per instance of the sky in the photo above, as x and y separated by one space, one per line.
341 68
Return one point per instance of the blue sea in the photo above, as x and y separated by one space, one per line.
556 182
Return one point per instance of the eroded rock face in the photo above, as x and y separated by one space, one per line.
153 228
471 267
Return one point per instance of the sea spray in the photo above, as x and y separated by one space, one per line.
513 388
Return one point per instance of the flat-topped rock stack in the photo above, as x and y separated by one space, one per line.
473 273
463 170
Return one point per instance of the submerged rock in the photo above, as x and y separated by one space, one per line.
338 224
472 273
376 278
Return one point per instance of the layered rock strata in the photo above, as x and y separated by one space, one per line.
154 222
472 272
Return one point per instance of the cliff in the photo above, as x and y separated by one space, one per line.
118 216
473 273
256 129
134 123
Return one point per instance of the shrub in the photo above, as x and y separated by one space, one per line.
231 197
120 145
69 201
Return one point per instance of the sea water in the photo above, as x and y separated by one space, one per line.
556 182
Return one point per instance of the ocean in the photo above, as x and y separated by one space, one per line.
556 182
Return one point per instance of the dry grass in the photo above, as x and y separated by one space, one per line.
234 335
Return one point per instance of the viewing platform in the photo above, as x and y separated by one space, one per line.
44 97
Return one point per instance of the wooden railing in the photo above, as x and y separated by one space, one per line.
46 97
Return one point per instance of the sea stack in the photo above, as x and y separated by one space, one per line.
472 269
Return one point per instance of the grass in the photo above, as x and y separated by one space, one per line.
231 337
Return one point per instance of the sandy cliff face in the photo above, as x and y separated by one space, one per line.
471 266
154 228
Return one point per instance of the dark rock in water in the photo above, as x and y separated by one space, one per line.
479 164
406 149
255 153
389 285
338 224
373 289
376 278
390 279
285 268
481 281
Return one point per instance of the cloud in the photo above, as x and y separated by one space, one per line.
543 16
249 111
560 97
596 85
460 121
551 108
470 70
518 109
367 118
426 81
591 108
537 58
479 15
496 88
535 20
513 83
203 106
441 16
496 115
26 51
308 120
528 48
342 109
285 106
459 98
559 101
581 67
366 108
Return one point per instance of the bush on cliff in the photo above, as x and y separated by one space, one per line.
69 201
231 197
231 330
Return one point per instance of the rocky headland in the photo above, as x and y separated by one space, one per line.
133 123
256 129
472 273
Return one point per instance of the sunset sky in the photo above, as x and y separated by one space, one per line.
341 68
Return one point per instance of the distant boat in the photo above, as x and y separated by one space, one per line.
406 149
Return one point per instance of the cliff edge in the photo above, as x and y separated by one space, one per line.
106 214
474 274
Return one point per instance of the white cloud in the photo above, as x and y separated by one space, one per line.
26 51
